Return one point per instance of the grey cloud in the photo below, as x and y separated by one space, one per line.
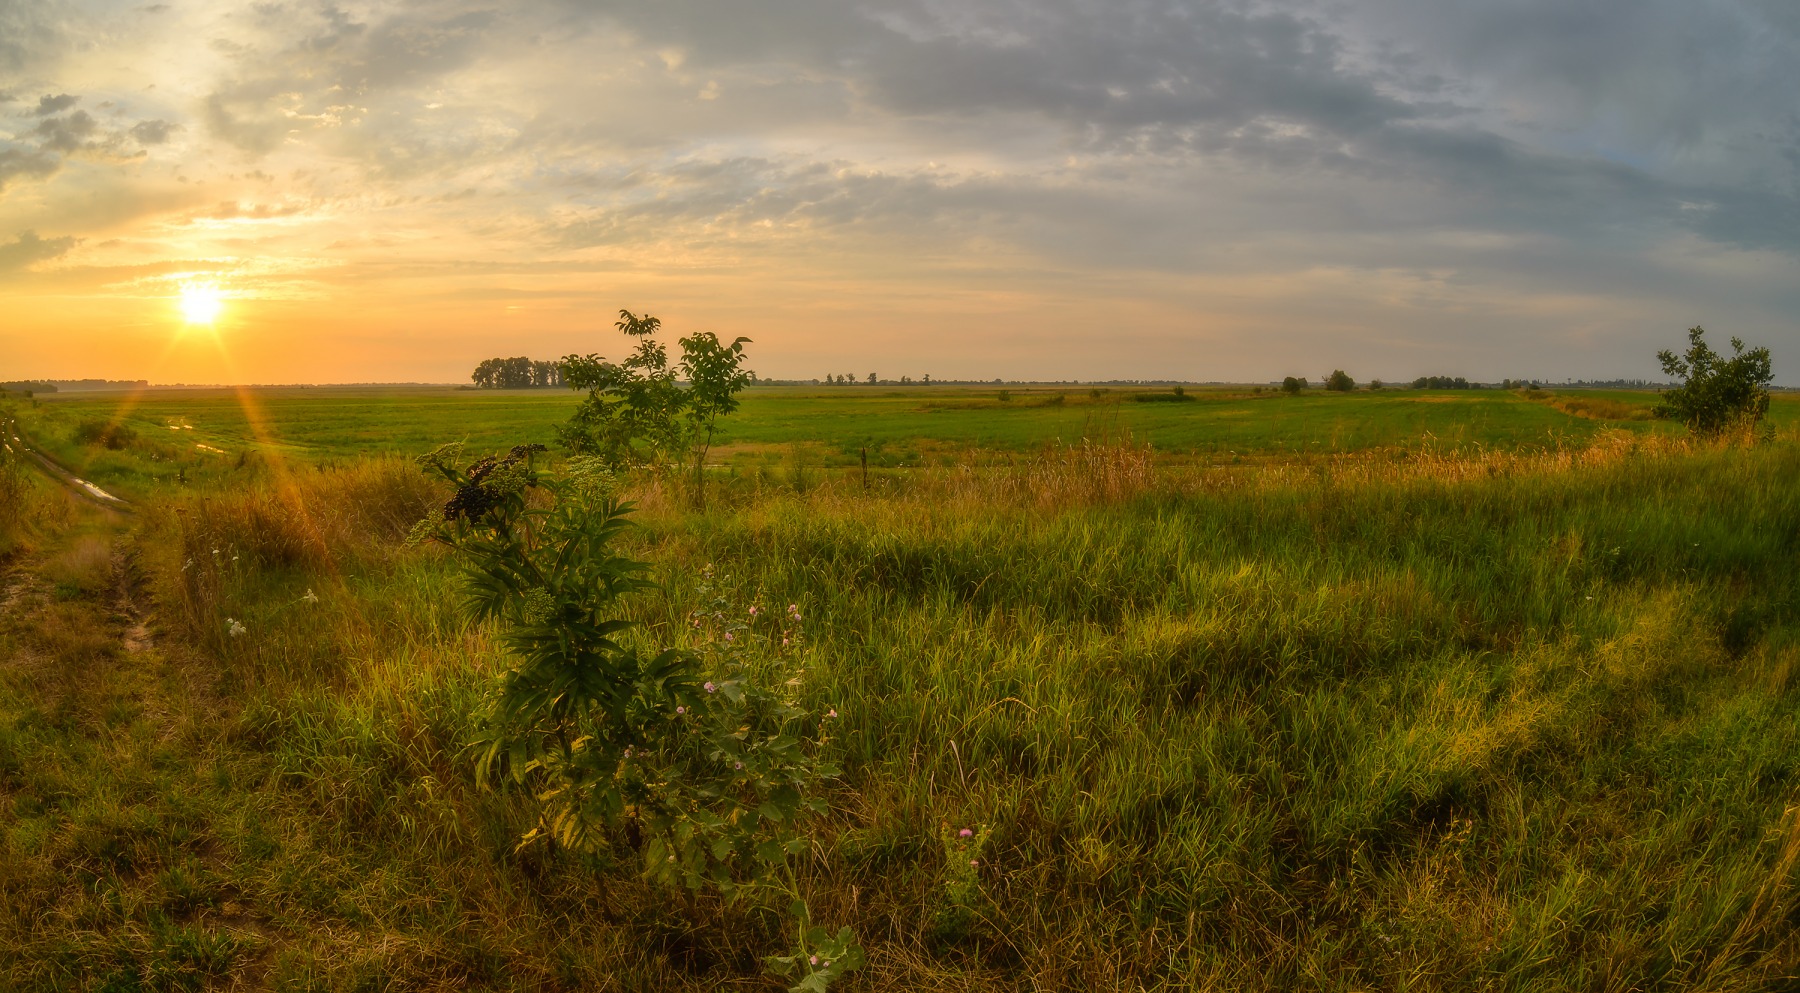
28 249
19 161
153 132
30 31
66 134
337 62
48 104
1328 93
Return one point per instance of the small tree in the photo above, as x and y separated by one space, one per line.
632 412
1292 385
715 373
637 413
1339 381
1716 393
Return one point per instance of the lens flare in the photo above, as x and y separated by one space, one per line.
201 302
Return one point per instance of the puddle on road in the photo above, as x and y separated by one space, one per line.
95 490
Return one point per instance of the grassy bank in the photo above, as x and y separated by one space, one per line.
1510 721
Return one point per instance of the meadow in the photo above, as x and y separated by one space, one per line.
1389 690
795 429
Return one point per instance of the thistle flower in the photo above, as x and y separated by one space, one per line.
965 833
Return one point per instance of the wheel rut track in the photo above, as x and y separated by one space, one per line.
81 488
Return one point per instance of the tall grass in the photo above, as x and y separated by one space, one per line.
1414 721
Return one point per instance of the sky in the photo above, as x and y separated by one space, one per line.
1026 189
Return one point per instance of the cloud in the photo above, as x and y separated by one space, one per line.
28 249
48 104
30 30
320 70
19 161
154 132
66 134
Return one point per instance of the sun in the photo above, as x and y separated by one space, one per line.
200 302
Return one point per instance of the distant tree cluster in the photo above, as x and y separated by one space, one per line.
1339 381
516 374
1443 383
1292 385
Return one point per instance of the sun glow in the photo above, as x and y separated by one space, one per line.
200 302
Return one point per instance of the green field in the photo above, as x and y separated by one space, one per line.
822 427
1412 691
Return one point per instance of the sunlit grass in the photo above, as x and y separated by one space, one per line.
1400 718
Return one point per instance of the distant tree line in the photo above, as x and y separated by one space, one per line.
517 374
1443 383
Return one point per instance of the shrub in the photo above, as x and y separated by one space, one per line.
1716 393
93 431
1339 381
682 761
1292 385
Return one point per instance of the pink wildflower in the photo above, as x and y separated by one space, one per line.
965 833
